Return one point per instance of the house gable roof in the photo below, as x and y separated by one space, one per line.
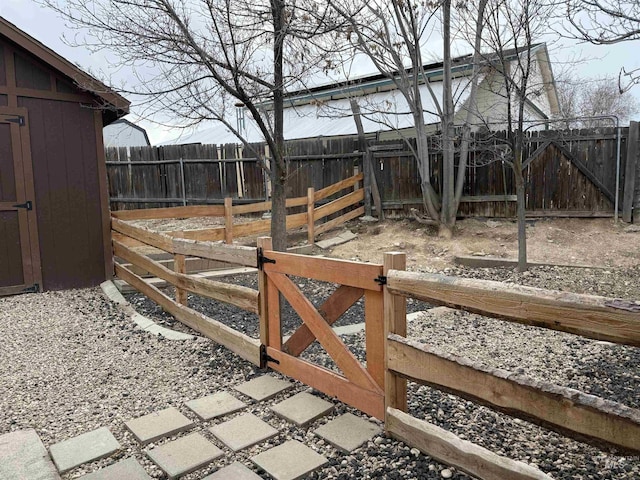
83 80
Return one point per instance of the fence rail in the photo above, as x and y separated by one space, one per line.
582 416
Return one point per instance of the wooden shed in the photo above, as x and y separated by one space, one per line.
54 210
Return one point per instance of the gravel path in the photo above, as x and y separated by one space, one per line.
71 362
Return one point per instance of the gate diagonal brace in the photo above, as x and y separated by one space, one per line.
262 259
264 357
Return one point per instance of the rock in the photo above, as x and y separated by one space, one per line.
492 223
632 229
368 219
415 452
446 473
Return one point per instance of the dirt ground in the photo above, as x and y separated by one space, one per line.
575 241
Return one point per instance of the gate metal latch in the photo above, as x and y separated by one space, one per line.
381 280
264 358
28 205
262 259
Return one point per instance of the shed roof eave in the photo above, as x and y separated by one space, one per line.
118 105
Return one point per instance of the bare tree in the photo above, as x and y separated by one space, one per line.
511 28
392 35
584 97
197 60
607 22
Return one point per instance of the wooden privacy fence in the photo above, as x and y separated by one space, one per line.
568 173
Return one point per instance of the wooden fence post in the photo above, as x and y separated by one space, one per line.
179 266
395 321
228 220
630 172
311 200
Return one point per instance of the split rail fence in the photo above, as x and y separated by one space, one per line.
380 388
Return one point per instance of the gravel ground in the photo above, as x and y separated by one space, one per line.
71 362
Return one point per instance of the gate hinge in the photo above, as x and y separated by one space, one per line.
381 280
262 259
264 358
19 120
28 205
35 288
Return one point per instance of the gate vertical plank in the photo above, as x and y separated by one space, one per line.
263 243
395 321
273 318
374 334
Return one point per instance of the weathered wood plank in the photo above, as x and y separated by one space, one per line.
242 297
204 235
331 310
343 272
447 448
358 212
335 347
329 383
239 343
265 206
170 212
235 254
571 412
374 335
180 266
591 316
144 235
336 187
338 204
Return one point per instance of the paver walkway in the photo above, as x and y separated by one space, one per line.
183 446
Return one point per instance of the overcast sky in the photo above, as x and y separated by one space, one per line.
45 26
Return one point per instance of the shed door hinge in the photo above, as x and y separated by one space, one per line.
35 288
28 205
19 120
381 280
264 357
262 259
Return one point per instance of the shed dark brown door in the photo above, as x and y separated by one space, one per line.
19 254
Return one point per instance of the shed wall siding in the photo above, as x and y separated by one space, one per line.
63 148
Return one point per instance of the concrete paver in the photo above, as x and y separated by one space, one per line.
215 405
156 425
263 388
243 431
184 455
235 471
84 448
302 408
290 461
128 469
23 456
348 432
344 237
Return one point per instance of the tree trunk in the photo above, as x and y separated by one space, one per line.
522 225
448 214
471 106
422 146
278 169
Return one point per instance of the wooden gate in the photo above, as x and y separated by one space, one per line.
19 252
359 386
